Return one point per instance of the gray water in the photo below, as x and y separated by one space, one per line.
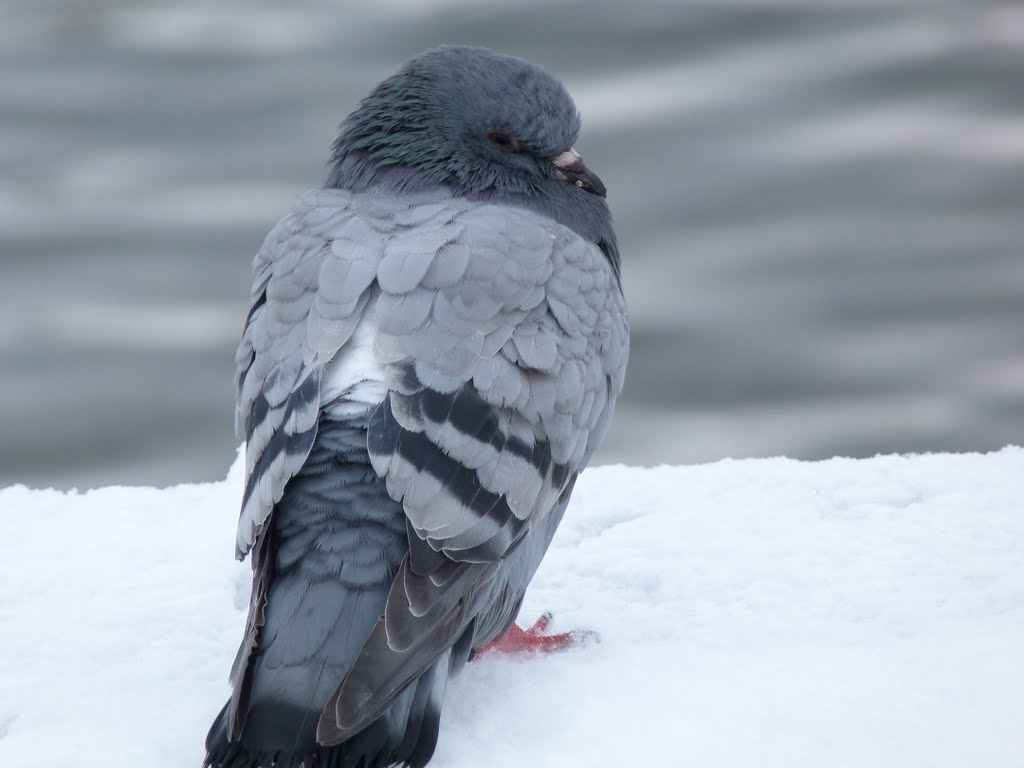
820 214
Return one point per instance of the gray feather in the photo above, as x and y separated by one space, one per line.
462 490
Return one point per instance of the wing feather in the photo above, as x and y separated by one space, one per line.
497 400
503 342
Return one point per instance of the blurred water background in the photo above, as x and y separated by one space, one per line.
821 214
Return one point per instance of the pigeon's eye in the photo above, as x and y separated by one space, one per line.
504 140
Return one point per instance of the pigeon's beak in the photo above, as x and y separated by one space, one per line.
570 166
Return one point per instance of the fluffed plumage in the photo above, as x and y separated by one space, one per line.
433 350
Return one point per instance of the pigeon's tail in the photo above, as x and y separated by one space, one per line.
336 544
405 735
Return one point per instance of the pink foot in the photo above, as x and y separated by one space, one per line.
518 641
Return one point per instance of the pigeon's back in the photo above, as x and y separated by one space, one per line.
422 376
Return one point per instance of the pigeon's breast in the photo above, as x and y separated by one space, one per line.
353 381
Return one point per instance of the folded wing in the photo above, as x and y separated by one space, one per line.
503 338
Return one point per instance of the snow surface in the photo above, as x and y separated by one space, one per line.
752 613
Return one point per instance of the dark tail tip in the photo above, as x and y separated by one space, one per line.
219 752
405 734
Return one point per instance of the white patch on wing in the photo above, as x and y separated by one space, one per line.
354 379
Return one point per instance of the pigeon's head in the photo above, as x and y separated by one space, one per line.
480 124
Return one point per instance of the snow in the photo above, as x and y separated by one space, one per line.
758 612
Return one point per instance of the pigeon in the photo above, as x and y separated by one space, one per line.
434 345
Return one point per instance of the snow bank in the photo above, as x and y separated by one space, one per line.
752 613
